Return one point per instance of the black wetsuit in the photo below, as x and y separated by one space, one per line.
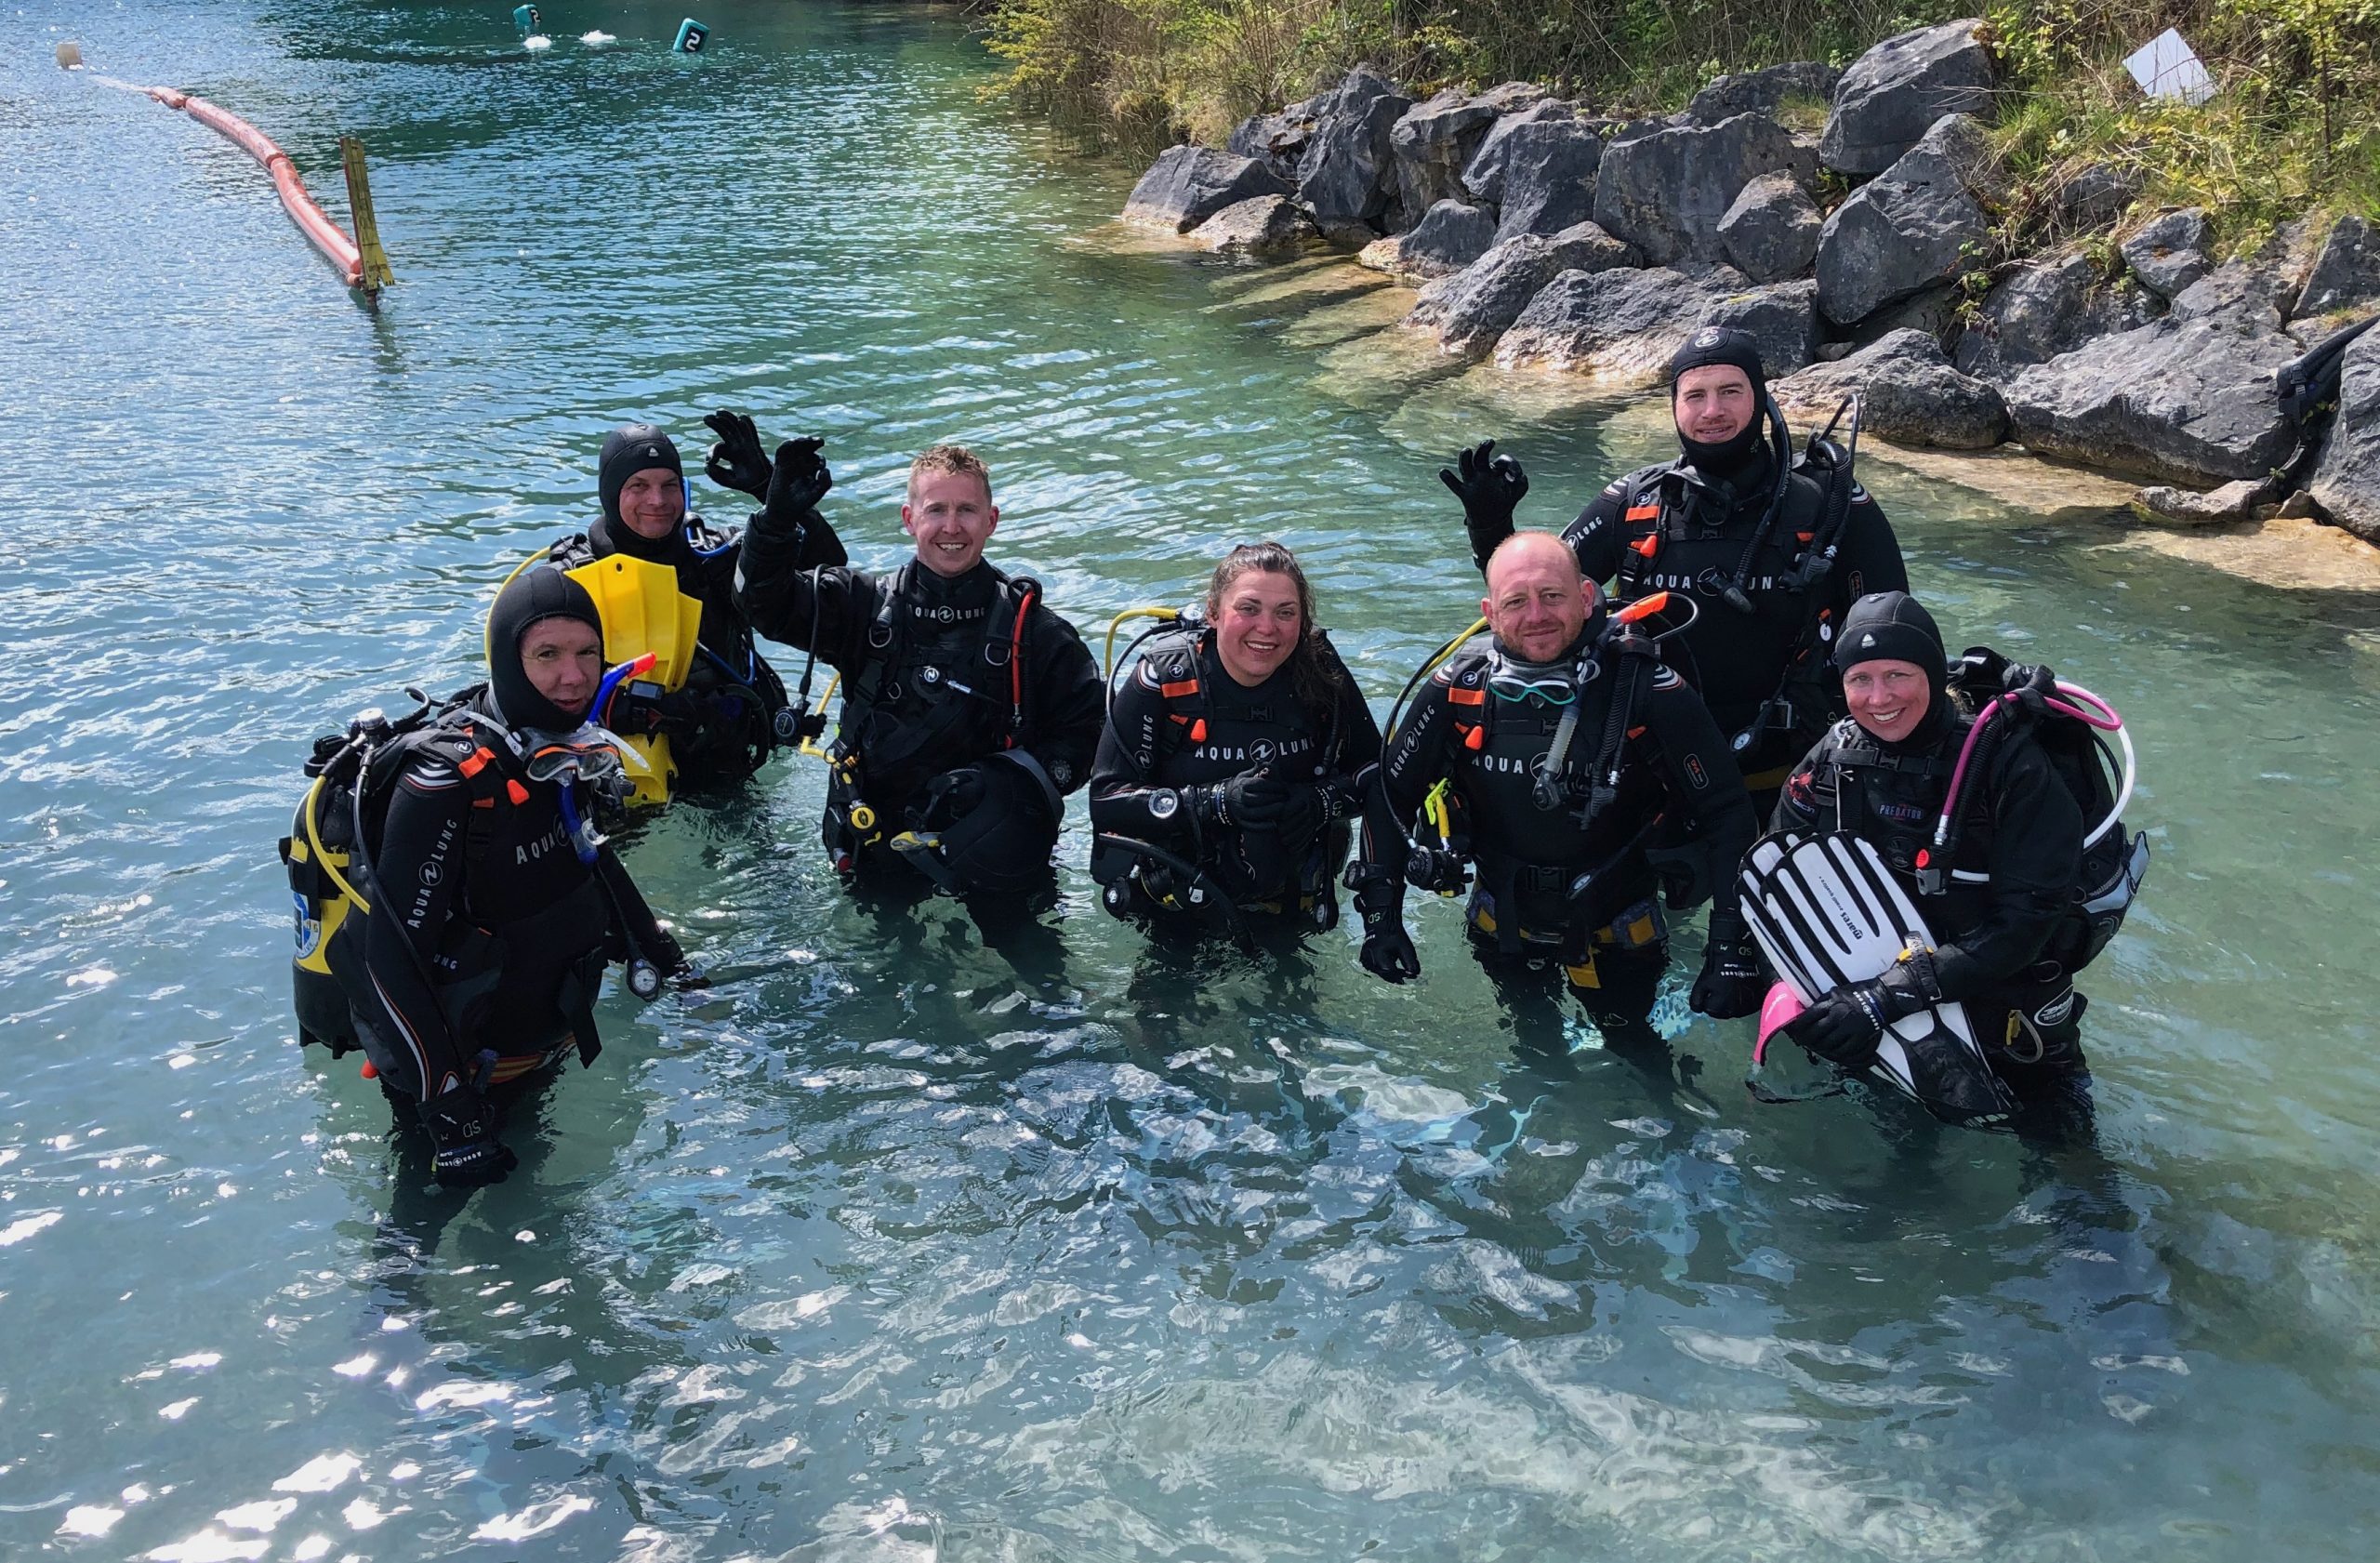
489 933
722 722
1528 903
1697 526
931 684
1182 721
2003 920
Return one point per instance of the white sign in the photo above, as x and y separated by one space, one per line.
2165 67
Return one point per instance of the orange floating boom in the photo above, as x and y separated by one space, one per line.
316 223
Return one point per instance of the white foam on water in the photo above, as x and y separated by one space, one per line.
596 38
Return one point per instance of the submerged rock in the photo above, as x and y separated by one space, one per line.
2347 479
1910 395
1620 326
1547 173
2233 501
1666 192
1772 229
2346 273
1347 175
1907 230
1472 309
2189 400
1187 185
2170 253
1896 91
1267 225
1764 92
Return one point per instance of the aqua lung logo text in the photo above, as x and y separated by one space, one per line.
539 847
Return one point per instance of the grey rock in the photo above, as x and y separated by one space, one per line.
2256 293
2346 272
1276 140
1267 225
1933 312
1665 192
1187 185
1782 317
1909 394
1635 129
1449 237
1893 93
1472 309
1549 177
2233 501
1907 230
1772 229
1713 276
2347 479
1347 175
1432 142
2185 401
1484 175
1763 92
2044 310
1618 326
2300 506
2095 197
2170 252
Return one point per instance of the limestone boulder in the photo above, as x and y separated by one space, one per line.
1347 175
1894 92
1782 317
1911 228
1276 140
1771 232
1471 309
1432 142
1483 176
1665 192
1908 393
2345 277
2170 252
1449 237
1764 92
2189 507
2185 401
1269 225
1548 177
1619 328
2258 294
2095 197
2045 308
1187 185
2347 479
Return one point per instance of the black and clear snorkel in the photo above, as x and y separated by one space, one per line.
1730 590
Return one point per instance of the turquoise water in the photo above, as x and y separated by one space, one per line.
892 1247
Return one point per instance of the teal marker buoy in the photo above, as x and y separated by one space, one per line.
525 17
692 37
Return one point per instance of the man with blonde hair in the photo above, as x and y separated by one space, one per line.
970 710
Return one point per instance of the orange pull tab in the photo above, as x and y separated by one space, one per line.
1475 739
1198 731
1647 547
370 1073
1644 607
515 791
1803 536
1643 512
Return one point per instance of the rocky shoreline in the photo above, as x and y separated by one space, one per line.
1543 237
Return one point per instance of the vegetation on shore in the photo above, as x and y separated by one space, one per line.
2295 127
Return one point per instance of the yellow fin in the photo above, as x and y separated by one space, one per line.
643 611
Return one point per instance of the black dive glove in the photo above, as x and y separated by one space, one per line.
1845 1026
1250 800
797 482
1388 951
462 1131
2032 684
1732 983
736 461
1491 488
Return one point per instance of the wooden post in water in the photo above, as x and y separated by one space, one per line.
377 274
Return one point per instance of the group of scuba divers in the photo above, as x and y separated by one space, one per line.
1599 752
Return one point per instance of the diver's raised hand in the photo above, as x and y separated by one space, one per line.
736 461
1491 487
798 480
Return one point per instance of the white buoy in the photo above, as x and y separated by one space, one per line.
70 56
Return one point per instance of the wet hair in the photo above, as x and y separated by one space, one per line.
946 458
1313 667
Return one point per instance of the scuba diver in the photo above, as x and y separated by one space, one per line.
455 905
1232 755
730 708
1773 551
1548 761
970 710
1982 818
